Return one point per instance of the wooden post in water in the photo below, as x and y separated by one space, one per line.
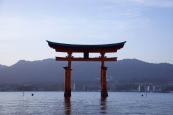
67 79
104 92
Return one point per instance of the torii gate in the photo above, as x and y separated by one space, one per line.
85 49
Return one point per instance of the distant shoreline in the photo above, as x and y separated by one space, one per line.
87 91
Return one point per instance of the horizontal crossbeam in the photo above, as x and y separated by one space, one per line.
85 59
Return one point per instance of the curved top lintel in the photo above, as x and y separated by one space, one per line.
61 47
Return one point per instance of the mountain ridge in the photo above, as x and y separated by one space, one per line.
51 71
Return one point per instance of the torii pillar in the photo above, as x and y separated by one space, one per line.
103 84
67 79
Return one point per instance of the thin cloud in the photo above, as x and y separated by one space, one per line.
158 3
151 3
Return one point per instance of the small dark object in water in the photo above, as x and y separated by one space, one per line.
142 95
32 94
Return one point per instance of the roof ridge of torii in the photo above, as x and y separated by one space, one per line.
86 49
62 47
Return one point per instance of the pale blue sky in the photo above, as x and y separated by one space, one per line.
146 25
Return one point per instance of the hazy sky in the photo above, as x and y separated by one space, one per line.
146 25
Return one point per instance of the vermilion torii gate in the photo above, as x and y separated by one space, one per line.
85 49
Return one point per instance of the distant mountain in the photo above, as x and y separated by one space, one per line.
50 71
2 67
136 70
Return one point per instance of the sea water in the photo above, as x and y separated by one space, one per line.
85 103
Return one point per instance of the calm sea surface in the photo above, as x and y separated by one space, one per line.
85 103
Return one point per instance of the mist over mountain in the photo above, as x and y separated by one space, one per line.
50 71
